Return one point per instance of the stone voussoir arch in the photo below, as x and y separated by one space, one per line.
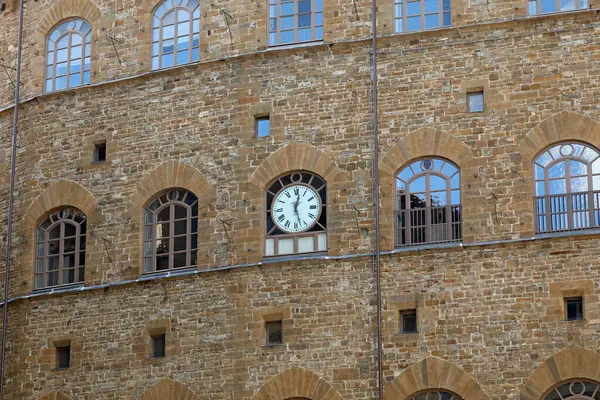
168 389
63 193
433 373
54 396
64 9
569 363
295 157
424 142
297 382
563 126
170 174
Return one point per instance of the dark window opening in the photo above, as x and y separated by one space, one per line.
63 357
574 309
2 6
263 127
408 321
100 152
475 102
158 346
274 333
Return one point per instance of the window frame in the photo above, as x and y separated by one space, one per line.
407 214
545 202
403 315
63 215
316 7
571 396
267 332
149 258
402 5
321 221
580 5
84 72
579 299
192 48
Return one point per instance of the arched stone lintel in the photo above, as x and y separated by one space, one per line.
424 142
148 6
54 396
433 373
569 363
63 193
168 389
295 157
297 382
563 126
170 174
64 9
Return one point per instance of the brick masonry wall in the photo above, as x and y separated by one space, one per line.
492 310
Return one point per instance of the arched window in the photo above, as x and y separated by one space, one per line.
175 33
171 231
296 215
567 188
60 249
428 206
578 389
435 395
68 52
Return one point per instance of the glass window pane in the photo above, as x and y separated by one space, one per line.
548 6
304 6
183 57
558 186
437 183
168 32
533 7
447 19
439 199
287 23
168 46
195 54
287 37
318 5
287 9
319 33
566 5
61 55
418 185
540 188
398 26
304 20
432 21
455 197
272 11
306 244
413 23
579 184
75 80
475 102
557 170
179 260
286 246
319 19
432 6
303 35
183 29
578 168
61 83
413 8
446 5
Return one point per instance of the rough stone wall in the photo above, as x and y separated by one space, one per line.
493 310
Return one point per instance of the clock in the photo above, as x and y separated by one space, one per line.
296 208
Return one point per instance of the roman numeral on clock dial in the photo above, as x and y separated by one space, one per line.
296 208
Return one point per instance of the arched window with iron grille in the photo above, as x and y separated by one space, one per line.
567 188
428 205
575 389
171 231
68 55
60 249
175 33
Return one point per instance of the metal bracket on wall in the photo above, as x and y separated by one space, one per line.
227 18
6 67
225 225
114 40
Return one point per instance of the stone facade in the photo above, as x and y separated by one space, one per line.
490 310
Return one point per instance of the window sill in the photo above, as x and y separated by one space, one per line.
295 45
168 273
298 256
582 232
275 345
59 289
574 320
432 246
408 333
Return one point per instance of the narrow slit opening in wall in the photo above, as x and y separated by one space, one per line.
63 357
274 333
100 152
574 309
262 126
475 102
408 321
158 346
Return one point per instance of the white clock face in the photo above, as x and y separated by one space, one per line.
296 208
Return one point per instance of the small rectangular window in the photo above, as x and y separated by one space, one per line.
158 346
274 333
475 102
100 152
408 321
263 126
63 357
574 309
553 6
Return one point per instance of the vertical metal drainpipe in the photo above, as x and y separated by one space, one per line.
377 249
11 200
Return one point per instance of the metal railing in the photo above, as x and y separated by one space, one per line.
567 212
428 226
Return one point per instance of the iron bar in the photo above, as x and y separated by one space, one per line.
11 200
